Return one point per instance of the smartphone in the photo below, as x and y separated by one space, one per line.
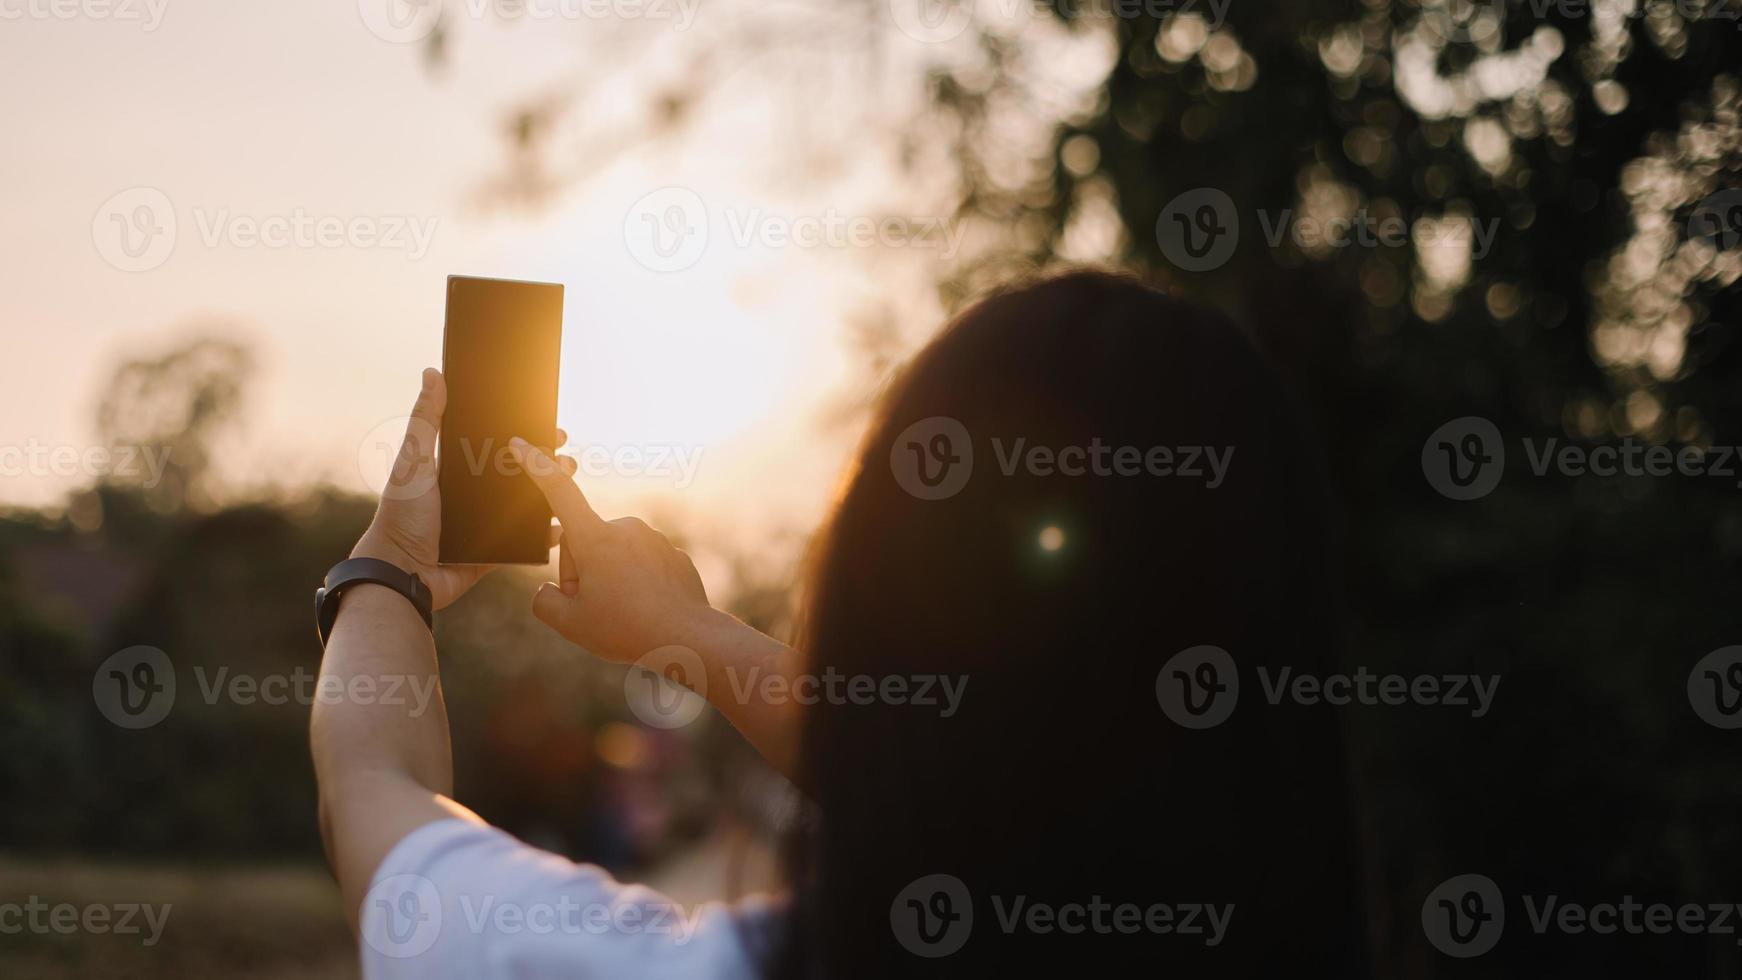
501 342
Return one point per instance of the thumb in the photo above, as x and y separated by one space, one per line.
551 606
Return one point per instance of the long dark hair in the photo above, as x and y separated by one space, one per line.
1060 780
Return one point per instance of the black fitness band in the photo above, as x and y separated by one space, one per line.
353 571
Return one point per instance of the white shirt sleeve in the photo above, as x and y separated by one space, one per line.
456 899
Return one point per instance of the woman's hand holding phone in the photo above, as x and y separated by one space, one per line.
406 531
625 591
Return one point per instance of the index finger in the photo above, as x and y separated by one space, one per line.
565 497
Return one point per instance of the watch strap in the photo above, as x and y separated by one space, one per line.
354 571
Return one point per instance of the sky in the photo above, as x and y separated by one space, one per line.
297 176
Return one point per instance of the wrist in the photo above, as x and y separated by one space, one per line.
374 544
707 630
368 581
733 654
726 644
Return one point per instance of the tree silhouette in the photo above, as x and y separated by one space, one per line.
179 402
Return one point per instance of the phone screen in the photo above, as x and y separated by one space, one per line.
500 350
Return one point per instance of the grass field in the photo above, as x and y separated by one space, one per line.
269 922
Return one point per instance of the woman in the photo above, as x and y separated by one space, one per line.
1088 511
